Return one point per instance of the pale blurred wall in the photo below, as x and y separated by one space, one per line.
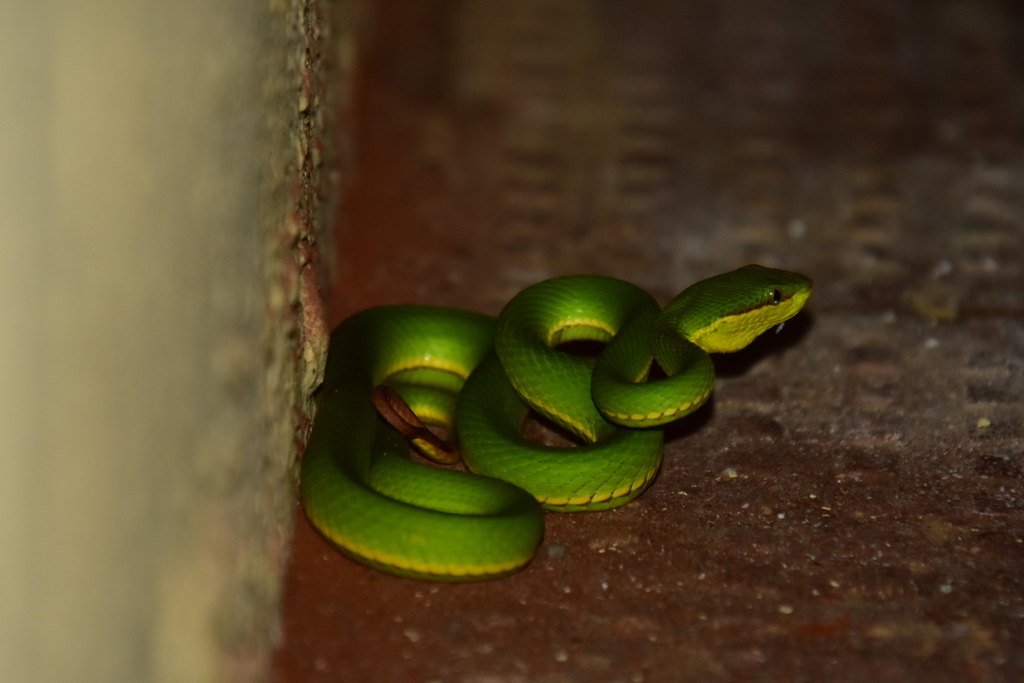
146 375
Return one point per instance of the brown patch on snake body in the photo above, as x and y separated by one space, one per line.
393 408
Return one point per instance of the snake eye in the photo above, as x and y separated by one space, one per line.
776 297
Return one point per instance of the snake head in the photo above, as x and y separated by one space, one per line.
725 313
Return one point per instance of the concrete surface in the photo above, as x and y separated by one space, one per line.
850 507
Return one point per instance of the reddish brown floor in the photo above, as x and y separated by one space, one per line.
851 505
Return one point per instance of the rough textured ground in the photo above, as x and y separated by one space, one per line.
850 507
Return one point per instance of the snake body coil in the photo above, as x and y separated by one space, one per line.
364 494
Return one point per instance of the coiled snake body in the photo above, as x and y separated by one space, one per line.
363 492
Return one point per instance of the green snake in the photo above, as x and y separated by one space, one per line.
479 377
